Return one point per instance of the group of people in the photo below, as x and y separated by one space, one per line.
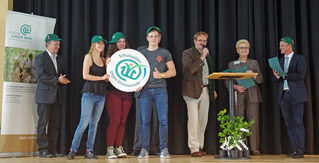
197 91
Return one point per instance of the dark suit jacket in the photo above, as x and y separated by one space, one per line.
254 94
47 79
296 75
192 74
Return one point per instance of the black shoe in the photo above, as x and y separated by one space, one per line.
290 154
45 154
135 153
90 155
58 154
55 154
297 154
71 155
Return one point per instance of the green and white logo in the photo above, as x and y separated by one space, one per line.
25 29
129 69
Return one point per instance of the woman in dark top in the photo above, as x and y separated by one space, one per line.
118 105
93 96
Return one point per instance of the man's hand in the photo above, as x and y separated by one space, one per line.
157 74
204 54
239 88
276 74
63 80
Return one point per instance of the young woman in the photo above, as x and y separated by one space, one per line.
93 96
118 105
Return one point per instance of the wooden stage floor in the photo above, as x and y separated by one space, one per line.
153 159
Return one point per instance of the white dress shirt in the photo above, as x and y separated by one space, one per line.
53 58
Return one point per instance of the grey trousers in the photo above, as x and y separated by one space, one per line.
250 111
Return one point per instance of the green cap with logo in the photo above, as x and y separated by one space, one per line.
288 40
52 37
153 27
116 37
97 38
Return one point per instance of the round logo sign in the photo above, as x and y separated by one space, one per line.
25 29
128 70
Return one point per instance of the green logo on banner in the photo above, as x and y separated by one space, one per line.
25 29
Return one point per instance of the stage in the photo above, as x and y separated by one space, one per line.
153 159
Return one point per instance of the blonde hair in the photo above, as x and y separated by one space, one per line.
92 48
200 33
242 41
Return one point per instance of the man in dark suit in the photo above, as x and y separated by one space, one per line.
292 95
50 77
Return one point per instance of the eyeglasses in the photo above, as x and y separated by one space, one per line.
201 40
243 48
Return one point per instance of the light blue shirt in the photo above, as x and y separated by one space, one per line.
286 66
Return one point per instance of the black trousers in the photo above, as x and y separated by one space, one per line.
293 112
48 126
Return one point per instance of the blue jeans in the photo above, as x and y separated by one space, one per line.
92 106
159 95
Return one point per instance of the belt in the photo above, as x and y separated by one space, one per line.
204 86
285 90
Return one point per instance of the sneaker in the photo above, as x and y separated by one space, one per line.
120 153
71 155
110 153
90 155
143 153
164 153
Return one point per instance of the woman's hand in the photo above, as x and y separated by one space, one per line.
240 89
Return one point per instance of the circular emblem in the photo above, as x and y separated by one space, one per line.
25 29
128 70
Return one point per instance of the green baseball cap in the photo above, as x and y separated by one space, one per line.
52 37
153 27
116 37
97 38
288 40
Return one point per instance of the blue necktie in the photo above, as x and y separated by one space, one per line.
286 70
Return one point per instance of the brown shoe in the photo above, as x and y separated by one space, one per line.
201 151
197 154
256 152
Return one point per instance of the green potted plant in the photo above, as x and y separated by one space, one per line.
233 135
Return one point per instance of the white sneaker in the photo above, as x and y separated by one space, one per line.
110 153
143 153
164 153
120 153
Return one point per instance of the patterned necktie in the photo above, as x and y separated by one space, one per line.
286 70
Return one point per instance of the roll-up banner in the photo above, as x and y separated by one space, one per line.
24 40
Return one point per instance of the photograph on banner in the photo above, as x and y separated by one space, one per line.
20 65
128 69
